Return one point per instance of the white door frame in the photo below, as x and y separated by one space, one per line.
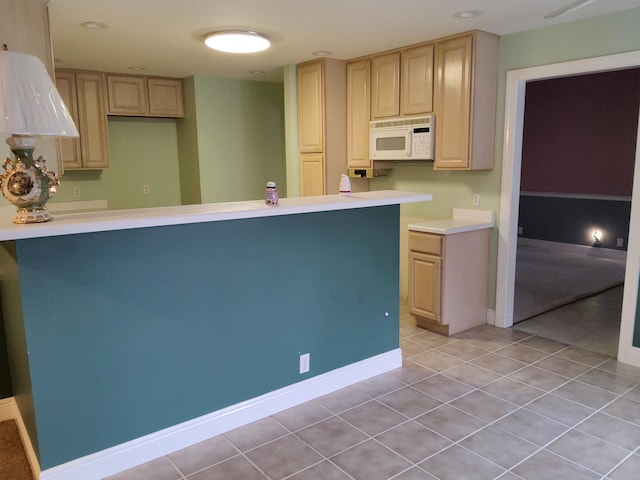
510 193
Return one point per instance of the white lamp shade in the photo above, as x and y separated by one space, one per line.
29 101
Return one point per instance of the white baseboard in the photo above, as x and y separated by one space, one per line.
491 316
144 449
9 411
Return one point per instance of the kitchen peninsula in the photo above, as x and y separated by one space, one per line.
135 333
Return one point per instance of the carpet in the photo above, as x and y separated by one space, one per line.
551 274
13 461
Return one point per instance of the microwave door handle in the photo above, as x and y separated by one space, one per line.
410 145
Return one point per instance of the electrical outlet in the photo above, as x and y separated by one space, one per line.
145 188
76 191
476 199
305 360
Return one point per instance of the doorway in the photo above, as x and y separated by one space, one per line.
509 203
578 156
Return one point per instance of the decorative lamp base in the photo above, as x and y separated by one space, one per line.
27 183
32 215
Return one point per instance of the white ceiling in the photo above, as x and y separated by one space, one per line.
165 36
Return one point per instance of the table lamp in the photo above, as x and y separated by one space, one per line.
30 107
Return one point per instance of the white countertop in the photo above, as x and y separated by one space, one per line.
67 224
461 221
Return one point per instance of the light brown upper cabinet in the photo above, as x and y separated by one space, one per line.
465 101
402 82
84 95
322 126
417 80
358 113
140 96
385 85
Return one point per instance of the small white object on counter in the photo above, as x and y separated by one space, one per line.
462 220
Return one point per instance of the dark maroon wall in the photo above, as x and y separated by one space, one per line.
580 134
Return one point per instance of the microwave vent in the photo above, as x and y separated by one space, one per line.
402 122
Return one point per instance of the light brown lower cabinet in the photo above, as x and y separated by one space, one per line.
448 280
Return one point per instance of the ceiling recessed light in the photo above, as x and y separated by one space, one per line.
133 67
94 25
322 53
468 14
257 72
237 41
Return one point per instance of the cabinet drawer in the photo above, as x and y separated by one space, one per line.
425 242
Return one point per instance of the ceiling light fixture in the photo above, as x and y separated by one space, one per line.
468 14
569 8
322 53
94 25
237 41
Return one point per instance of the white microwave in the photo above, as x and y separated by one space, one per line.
408 138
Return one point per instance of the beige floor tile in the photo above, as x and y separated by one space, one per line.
373 418
613 430
409 401
323 470
432 340
237 468
560 409
483 406
625 409
451 423
442 388
457 463
413 441
412 374
462 350
562 366
202 455
482 340
547 466
331 436
633 394
436 360
531 427
623 369
539 378
283 457
522 353
410 348
499 363
380 385
499 447
581 355
370 461
472 375
415 473
343 399
256 433
588 451
513 391
585 394
544 344
628 470
302 416
608 381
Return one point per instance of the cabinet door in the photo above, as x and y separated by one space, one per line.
312 175
127 95
453 103
385 85
310 108
165 97
94 137
358 113
70 152
425 285
417 80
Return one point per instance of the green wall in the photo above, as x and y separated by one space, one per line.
593 37
141 329
143 151
239 127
